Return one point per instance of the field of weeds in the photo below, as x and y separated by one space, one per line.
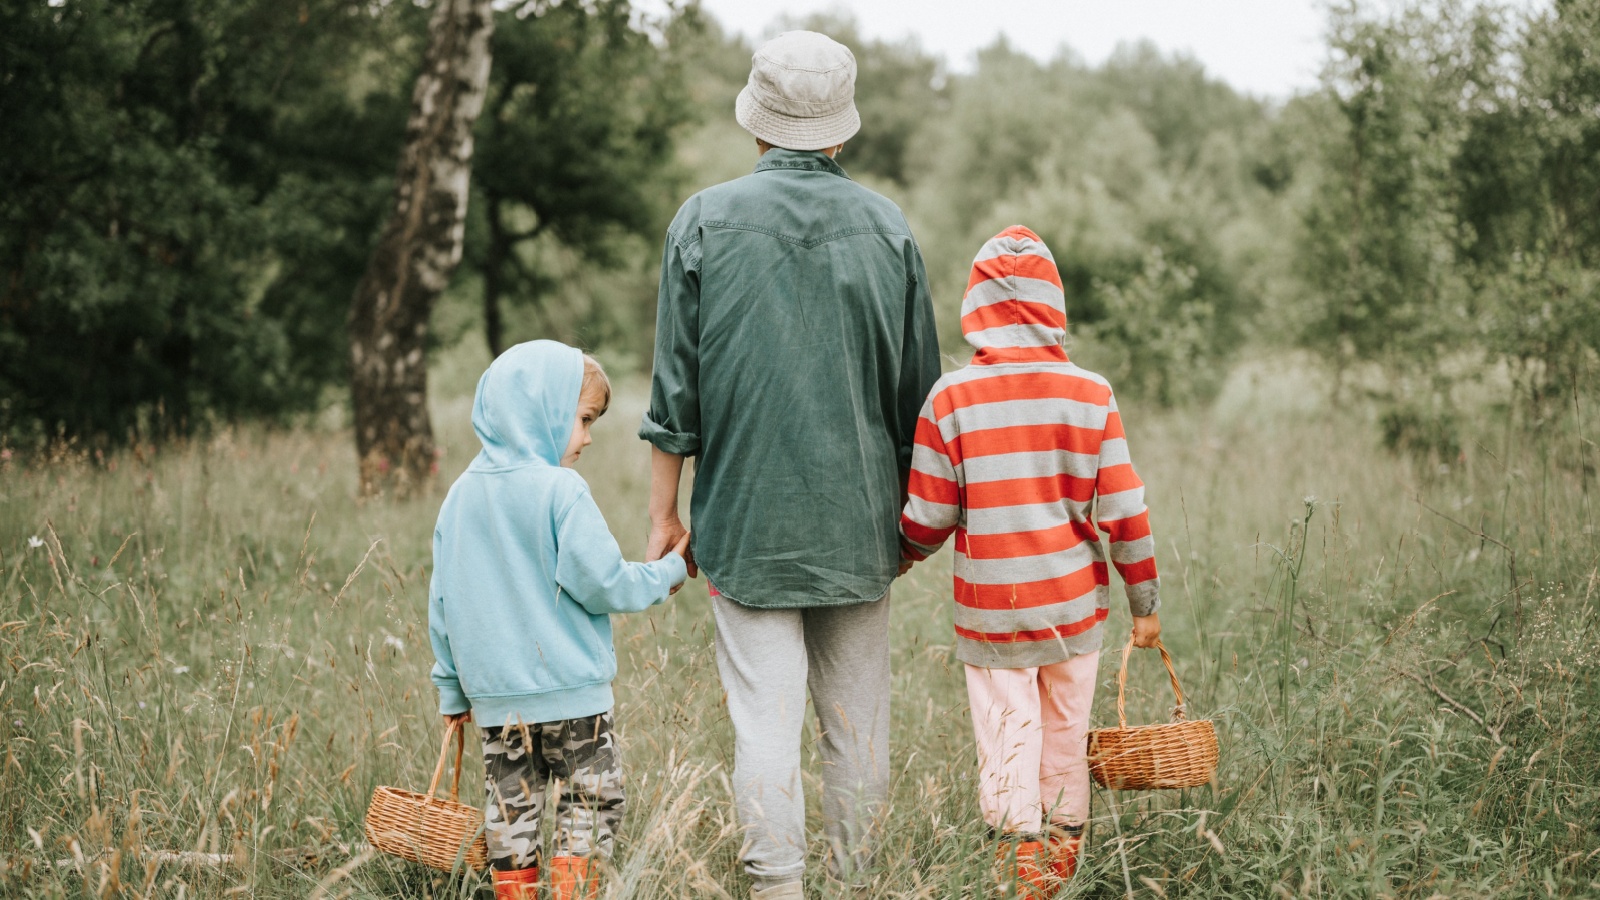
212 649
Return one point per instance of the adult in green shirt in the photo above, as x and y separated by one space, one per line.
795 344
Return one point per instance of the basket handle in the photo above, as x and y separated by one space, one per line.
1122 683
454 728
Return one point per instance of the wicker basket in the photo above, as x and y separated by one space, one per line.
427 829
1178 754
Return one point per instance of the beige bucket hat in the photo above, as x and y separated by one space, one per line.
801 94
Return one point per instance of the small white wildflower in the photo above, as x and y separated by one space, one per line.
141 704
35 542
390 640
180 670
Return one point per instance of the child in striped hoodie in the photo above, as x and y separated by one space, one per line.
1018 454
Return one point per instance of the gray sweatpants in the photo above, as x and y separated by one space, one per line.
767 659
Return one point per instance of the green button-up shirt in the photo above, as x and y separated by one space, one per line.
795 343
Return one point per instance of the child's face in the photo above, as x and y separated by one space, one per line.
591 406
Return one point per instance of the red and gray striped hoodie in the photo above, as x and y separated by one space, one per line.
1019 454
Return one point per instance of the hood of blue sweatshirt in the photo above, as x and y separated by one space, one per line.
526 405
525 571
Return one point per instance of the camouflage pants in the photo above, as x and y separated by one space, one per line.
580 756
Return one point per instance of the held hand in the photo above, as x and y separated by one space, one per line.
664 534
1146 630
459 719
682 549
905 565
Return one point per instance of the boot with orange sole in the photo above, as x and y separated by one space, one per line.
1025 870
1066 842
517 884
572 879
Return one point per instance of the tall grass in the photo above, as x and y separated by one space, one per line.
213 648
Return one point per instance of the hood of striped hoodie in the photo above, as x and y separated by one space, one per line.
1014 309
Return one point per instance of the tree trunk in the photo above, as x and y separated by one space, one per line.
417 253
494 262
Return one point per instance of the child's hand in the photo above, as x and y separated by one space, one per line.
458 720
1146 630
682 549
906 563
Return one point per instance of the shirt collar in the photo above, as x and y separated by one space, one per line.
808 160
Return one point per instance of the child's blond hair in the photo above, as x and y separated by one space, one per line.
595 382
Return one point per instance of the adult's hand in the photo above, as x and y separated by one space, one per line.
665 536
666 529
1146 630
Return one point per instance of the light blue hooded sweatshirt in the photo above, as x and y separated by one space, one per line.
525 571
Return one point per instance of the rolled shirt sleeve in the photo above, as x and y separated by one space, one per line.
672 423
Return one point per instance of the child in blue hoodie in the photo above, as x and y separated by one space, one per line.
525 577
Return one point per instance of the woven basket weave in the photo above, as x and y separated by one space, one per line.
430 830
1178 754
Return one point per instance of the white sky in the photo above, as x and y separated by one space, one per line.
1270 48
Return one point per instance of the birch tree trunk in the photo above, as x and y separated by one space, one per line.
417 253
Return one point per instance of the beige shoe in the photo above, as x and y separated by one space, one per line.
792 890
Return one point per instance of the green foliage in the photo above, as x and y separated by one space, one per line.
1430 433
1454 214
1165 331
1537 204
182 188
1381 231
574 146
189 193
1173 99
1139 175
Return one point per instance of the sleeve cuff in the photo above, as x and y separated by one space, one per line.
1144 598
682 443
451 701
677 570
911 551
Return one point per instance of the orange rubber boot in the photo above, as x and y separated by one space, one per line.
1031 879
1064 849
570 879
517 884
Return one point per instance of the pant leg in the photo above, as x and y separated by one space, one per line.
1005 720
761 658
847 649
514 778
584 759
1066 693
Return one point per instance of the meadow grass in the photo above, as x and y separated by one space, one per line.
212 646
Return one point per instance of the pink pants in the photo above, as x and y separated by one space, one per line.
1032 727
